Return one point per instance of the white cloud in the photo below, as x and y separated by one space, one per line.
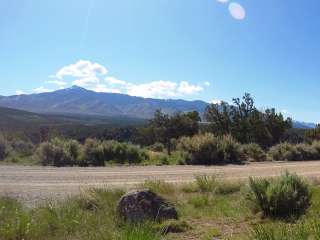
115 81
41 90
86 81
216 101
92 76
186 88
237 11
81 69
162 89
58 82
104 88
207 84
284 111
20 92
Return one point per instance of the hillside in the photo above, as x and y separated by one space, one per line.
76 100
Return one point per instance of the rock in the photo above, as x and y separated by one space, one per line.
137 206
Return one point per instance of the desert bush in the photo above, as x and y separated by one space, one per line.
59 153
207 149
157 147
253 152
23 148
283 152
283 197
123 152
299 152
4 148
51 154
229 150
73 151
93 153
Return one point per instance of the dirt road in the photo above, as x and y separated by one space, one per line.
32 184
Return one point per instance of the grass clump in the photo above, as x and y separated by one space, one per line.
206 183
139 232
172 226
160 187
284 197
281 231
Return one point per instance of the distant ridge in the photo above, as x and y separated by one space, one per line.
77 100
80 101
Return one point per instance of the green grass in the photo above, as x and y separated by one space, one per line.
204 215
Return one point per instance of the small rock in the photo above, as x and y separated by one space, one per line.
137 206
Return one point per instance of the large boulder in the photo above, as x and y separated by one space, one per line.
137 206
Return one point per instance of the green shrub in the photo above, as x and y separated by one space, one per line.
157 147
207 149
253 152
229 150
283 197
4 148
93 153
73 150
299 152
50 154
23 148
123 152
59 153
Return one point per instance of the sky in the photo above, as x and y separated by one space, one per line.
210 50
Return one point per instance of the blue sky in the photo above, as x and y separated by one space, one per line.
190 49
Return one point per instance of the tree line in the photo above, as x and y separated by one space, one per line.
241 120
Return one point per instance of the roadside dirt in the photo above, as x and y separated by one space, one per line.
34 184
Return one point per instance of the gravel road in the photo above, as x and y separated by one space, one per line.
34 184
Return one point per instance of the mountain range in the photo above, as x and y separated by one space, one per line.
79 101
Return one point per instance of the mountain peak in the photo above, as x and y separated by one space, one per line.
75 87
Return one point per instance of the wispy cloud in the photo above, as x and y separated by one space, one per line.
237 11
20 92
207 84
41 90
57 82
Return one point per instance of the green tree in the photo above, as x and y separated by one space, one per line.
313 134
163 127
246 123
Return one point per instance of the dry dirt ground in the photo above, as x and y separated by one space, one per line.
34 184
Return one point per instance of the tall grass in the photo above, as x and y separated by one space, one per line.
89 216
